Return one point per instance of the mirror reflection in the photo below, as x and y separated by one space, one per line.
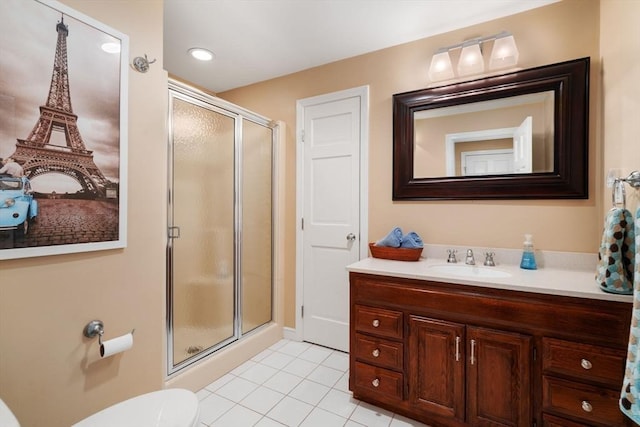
513 135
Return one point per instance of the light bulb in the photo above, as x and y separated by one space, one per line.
504 53
471 60
440 68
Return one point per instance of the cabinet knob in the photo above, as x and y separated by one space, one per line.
375 383
375 323
586 406
376 352
586 364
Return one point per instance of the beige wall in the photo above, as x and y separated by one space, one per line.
50 375
558 32
619 124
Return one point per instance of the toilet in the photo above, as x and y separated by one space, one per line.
165 408
7 419
174 407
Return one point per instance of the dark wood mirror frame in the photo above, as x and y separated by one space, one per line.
569 180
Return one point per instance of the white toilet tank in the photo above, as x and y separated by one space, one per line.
164 408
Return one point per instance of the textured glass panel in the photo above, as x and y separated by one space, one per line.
257 150
203 209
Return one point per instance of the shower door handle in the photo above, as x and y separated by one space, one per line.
174 232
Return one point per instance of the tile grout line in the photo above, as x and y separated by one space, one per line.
308 346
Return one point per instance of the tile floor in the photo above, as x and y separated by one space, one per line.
291 384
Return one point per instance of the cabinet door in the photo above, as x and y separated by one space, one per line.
498 378
436 367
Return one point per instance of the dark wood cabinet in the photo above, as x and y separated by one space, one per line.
498 378
458 355
437 367
493 367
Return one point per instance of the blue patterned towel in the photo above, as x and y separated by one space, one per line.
630 395
411 240
391 240
617 251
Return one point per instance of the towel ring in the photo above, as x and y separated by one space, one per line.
619 194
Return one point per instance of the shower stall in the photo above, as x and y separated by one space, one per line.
220 269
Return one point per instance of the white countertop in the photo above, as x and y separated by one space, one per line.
545 280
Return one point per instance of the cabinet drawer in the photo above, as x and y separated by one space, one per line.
583 361
380 352
551 421
379 321
372 380
584 402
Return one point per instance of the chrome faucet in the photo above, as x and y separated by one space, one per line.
470 260
488 259
452 255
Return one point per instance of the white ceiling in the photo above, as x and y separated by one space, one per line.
256 40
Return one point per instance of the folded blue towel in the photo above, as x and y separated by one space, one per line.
391 240
617 252
411 240
630 394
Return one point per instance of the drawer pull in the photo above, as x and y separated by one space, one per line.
586 406
473 352
375 323
376 383
376 353
586 364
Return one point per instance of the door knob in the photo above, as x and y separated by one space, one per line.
351 237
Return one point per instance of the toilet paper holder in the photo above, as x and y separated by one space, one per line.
96 327
93 328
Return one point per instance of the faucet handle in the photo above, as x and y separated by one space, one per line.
470 260
452 255
488 259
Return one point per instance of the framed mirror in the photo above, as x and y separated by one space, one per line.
521 135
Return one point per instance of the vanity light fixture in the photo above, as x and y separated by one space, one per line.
471 60
201 53
441 68
503 54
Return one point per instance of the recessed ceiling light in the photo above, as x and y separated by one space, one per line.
201 54
111 47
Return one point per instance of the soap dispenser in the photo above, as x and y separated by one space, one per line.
528 257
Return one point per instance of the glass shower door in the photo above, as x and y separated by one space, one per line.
202 210
220 245
257 260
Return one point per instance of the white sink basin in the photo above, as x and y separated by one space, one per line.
465 270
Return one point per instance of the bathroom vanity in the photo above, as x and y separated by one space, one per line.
532 348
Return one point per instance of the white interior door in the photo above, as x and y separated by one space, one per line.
486 162
523 147
330 222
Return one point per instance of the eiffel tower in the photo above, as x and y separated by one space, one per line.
35 153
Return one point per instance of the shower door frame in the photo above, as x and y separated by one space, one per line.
239 115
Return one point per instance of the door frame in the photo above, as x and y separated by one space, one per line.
363 93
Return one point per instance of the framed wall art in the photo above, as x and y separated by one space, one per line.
63 131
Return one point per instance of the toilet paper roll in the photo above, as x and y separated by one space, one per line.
116 345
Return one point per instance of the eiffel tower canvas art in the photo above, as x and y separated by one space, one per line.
35 153
73 153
